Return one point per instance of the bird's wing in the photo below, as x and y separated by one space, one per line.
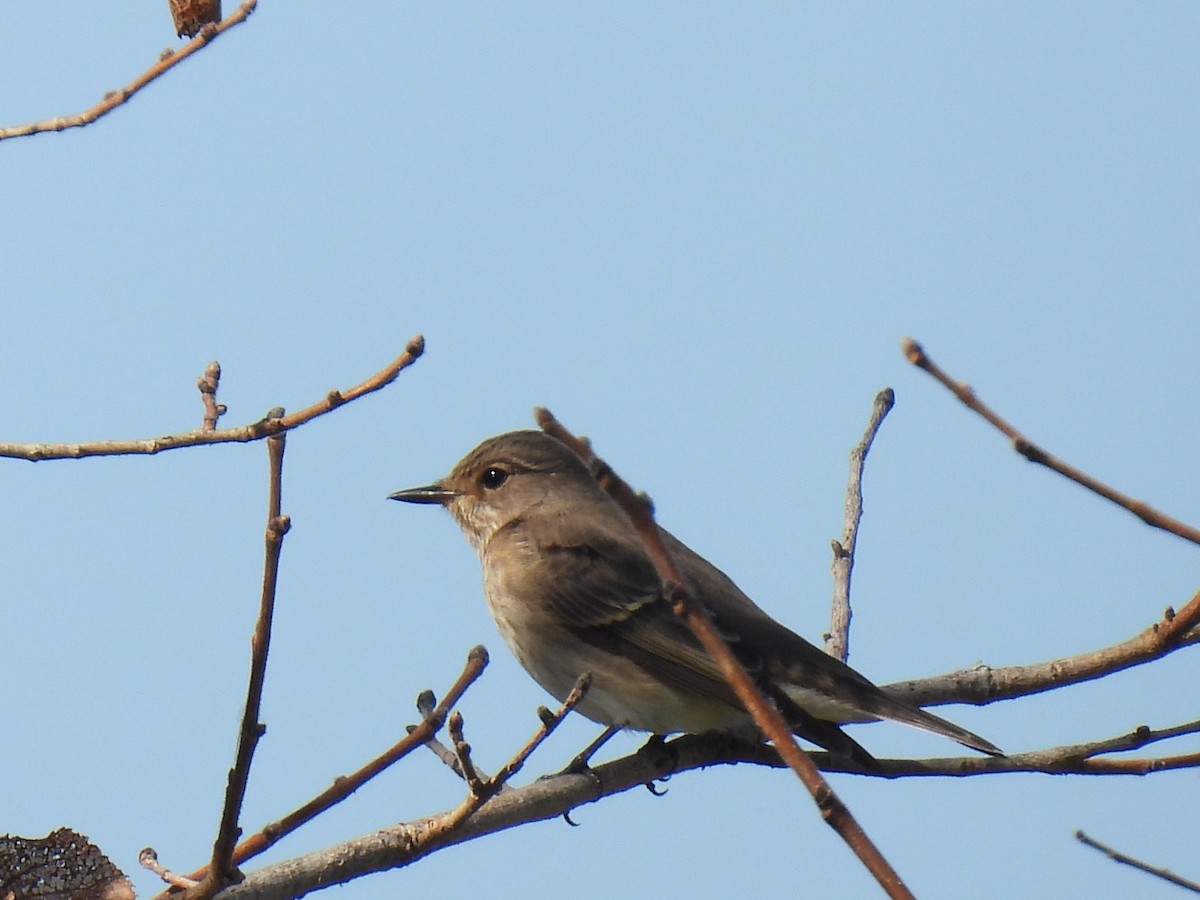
800 669
612 598
613 601
606 591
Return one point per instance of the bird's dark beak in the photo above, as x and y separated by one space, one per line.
431 493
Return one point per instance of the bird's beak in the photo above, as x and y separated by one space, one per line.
431 493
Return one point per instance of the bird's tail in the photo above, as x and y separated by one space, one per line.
898 711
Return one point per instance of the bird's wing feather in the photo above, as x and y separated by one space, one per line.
607 592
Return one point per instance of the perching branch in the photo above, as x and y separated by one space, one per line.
548 798
167 61
1070 759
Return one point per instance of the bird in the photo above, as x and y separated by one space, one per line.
572 591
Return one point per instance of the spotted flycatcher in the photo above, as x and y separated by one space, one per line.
572 591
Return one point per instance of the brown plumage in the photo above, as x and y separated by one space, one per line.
572 591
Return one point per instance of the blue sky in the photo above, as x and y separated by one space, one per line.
696 232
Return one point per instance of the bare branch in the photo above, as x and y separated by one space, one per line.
426 706
1073 759
113 99
550 721
476 783
1035 454
548 798
765 714
222 870
837 642
257 431
1117 856
982 684
344 786
482 790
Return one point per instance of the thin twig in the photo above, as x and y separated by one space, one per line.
550 721
1117 856
1035 454
113 99
484 789
256 431
344 786
1073 759
765 715
222 870
442 752
427 706
837 642
1140 737
476 783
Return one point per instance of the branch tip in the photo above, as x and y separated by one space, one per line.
478 654
914 352
426 702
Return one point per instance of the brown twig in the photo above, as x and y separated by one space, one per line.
344 786
1140 737
257 431
113 99
765 715
442 752
476 783
426 705
550 721
983 684
222 870
484 789
1035 454
208 384
837 642
1117 856
1070 759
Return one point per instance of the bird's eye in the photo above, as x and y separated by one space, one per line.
493 477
